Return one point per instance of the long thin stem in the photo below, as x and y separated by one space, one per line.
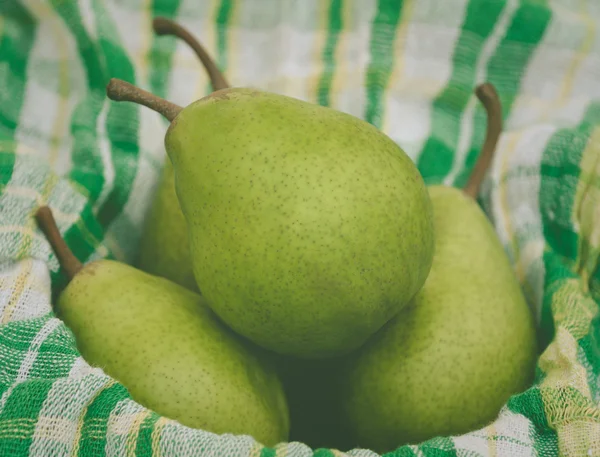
487 95
122 91
47 224
164 26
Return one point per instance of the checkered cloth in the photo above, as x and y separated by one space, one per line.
409 67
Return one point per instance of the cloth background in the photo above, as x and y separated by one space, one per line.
409 67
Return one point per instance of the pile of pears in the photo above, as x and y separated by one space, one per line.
297 280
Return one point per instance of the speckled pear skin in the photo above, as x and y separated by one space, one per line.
309 228
169 350
447 364
164 247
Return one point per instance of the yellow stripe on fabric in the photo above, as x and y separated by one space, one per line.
19 428
26 267
140 58
282 450
565 92
83 414
23 230
399 53
587 44
24 245
586 208
492 435
134 432
26 192
565 390
90 238
338 453
559 362
339 79
316 63
580 437
256 450
156 435
568 405
25 242
37 286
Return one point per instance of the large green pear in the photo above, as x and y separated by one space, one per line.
164 247
169 350
309 228
448 363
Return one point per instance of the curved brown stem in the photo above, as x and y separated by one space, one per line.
487 95
48 226
164 26
122 91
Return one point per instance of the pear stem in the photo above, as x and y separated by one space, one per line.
164 26
122 91
66 258
487 95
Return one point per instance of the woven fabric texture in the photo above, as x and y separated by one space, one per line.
408 67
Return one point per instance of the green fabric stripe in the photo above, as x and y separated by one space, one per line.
15 46
268 452
531 405
381 49
556 271
590 347
56 355
7 165
436 158
87 163
122 121
93 432
438 447
506 69
20 415
594 283
435 447
14 349
222 23
559 176
144 441
404 451
162 49
334 28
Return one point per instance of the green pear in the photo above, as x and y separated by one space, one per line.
169 350
164 248
447 364
309 228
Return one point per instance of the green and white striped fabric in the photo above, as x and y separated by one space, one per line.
409 67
